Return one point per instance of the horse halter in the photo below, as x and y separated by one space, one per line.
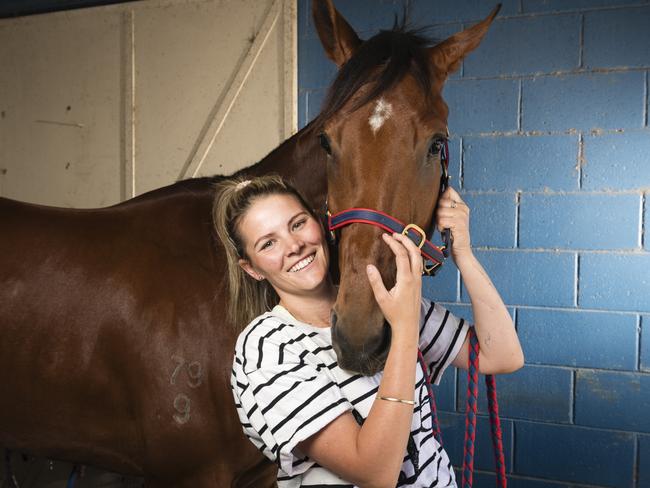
432 255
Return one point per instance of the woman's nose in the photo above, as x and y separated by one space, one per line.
295 245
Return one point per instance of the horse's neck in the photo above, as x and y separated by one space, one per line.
301 161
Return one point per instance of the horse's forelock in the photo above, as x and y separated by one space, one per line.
382 60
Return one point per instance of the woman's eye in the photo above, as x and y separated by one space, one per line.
266 245
325 143
299 224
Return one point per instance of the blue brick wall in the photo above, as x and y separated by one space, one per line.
550 148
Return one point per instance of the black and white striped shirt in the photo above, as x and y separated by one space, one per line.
287 386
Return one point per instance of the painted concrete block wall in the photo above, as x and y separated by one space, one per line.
551 148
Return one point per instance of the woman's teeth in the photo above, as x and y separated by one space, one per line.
301 264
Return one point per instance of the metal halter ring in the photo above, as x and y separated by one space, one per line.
423 235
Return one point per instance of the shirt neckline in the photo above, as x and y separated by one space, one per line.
285 314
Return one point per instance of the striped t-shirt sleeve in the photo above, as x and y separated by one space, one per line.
282 404
441 336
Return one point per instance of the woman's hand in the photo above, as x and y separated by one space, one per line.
400 305
453 214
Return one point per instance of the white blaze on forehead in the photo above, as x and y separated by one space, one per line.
383 111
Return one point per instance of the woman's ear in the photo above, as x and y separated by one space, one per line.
250 271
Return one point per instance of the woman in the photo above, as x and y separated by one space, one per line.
322 425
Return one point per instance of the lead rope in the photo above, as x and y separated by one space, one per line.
470 418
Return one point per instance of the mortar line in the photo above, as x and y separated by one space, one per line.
637 460
642 220
639 338
461 165
517 217
560 72
516 476
576 289
513 439
557 13
520 106
646 98
568 309
581 42
572 405
581 158
559 132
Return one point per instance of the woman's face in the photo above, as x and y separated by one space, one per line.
285 245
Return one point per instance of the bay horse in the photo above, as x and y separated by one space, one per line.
115 349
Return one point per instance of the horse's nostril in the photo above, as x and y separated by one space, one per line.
333 318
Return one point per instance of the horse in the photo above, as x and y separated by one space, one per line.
115 348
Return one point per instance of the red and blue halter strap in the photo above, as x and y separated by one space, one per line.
384 221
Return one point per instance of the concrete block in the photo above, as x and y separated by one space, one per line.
644 461
526 163
617 38
492 219
527 45
575 454
445 392
428 12
616 161
315 70
583 102
453 432
578 338
477 106
523 278
363 18
533 393
615 281
515 482
315 100
580 221
531 6
461 310
444 286
613 400
309 105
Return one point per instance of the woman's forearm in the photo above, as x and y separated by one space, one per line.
499 345
382 440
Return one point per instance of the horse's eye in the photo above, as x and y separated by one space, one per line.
325 143
435 147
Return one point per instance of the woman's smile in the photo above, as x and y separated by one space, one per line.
303 263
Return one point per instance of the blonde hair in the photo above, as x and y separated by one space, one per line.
247 297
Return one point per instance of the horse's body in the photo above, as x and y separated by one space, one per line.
115 349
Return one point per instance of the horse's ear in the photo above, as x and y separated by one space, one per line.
448 54
338 38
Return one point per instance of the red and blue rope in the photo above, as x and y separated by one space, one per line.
470 419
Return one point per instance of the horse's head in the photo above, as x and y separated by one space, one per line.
383 126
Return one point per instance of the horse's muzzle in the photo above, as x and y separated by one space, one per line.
367 358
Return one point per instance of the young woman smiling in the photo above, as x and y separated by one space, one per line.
322 425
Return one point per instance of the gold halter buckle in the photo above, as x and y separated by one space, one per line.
423 234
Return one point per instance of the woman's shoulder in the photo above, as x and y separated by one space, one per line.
261 325
270 339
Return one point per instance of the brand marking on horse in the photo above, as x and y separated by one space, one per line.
194 371
182 405
383 111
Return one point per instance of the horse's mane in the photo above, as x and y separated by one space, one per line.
383 59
